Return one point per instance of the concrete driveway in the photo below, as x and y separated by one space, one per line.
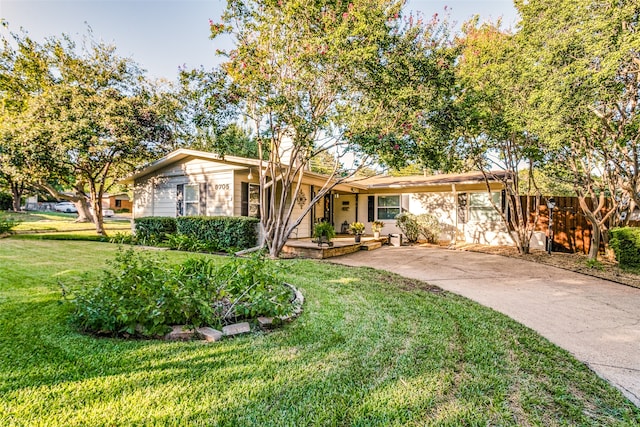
596 320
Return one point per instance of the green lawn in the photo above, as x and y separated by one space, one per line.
370 348
42 222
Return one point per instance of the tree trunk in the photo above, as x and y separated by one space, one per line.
16 192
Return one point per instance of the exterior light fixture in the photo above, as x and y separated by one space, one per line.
250 176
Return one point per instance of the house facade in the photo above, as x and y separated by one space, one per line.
190 182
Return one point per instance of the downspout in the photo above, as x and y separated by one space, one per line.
454 238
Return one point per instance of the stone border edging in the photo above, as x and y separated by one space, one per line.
179 333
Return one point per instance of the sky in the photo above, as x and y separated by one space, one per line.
163 35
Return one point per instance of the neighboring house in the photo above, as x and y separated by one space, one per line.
189 182
117 202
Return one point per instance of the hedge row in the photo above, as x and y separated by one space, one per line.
218 233
155 228
625 242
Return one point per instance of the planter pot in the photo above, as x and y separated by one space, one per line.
358 236
376 234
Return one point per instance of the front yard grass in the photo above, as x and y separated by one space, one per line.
370 348
52 222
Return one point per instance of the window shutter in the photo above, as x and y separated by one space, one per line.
462 207
244 199
180 200
371 208
405 203
203 198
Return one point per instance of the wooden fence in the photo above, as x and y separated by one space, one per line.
571 230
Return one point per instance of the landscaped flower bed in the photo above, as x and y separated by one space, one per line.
141 295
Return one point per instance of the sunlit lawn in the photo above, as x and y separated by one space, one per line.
370 348
55 222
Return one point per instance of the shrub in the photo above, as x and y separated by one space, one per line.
6 224
625 243
6 202
152 230
142 295
254 287
407 223
429 227
124 239
182 242
323 228
220 233
414 226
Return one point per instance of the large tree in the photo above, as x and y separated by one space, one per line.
493 133
584 62
91 123
306 75
25 71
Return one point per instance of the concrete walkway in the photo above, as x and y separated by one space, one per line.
596 320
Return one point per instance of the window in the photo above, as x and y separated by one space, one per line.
254 200
388 207
191 199
118 203
481 207
250 200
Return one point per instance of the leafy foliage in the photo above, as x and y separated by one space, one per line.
254 287
154 230
80 117
323 228
429 227
625 242
6 224
143 295
322 81
414 226
407 223
220 233
356 227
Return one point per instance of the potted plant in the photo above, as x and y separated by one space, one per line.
376 226
357 228
324 232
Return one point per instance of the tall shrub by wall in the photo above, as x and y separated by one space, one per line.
220 233
154 229
625 242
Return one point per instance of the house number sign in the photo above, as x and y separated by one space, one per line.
222 187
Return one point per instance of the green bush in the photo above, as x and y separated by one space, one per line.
6 202
323 228
220 233
625 242
429 227
254 287
142 295
414 226
7 223
407 223
182 242
152 230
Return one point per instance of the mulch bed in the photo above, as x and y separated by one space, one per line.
605 269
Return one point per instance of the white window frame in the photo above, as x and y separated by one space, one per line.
191 206
387 207
253 205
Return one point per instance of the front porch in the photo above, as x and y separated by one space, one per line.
342 244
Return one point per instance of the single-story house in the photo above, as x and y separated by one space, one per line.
190 182
117 202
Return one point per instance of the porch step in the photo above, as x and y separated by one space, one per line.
370 245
